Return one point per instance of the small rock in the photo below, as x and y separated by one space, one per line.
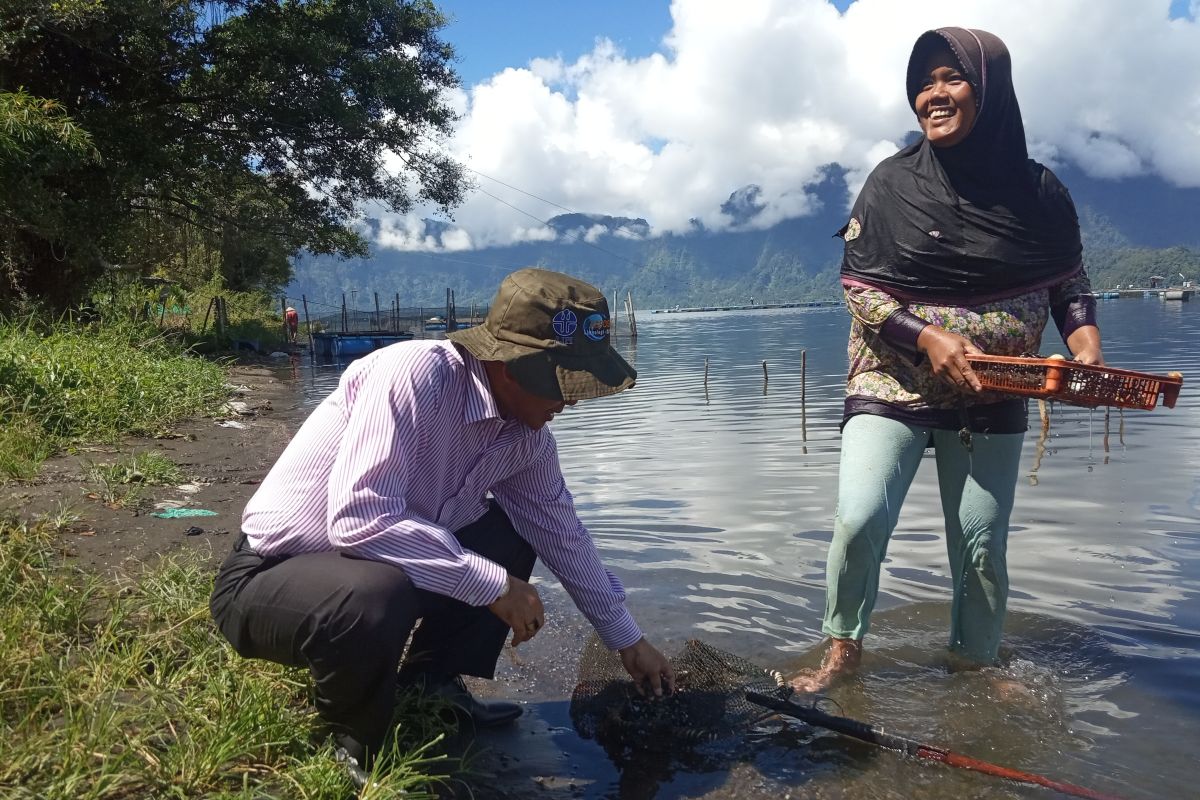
193 531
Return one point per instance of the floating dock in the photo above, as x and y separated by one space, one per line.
338 346
755 307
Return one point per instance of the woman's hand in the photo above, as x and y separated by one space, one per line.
521 609
1084 342
947 354
646 665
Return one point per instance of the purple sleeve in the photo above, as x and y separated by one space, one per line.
901 330
1072 304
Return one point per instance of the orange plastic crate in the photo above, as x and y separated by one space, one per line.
1077 384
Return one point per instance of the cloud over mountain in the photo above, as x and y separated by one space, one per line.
736 119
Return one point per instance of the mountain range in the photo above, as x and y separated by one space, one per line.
1131 228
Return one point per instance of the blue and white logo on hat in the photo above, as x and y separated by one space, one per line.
596 327
565 323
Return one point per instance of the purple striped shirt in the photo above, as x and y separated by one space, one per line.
404 452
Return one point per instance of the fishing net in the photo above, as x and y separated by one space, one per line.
708 704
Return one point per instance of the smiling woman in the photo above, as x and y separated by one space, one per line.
957 245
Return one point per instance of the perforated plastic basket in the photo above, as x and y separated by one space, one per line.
1077 384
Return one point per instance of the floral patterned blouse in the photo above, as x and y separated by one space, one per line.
884 372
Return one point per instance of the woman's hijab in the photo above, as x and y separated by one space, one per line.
969 223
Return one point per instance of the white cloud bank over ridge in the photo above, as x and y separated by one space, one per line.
768 92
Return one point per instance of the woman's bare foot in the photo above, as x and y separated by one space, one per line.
840 662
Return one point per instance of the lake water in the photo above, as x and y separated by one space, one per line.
715 508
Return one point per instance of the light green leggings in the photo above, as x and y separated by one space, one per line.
880 457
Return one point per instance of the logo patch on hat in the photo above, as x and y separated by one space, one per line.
596 327
853 229
565 324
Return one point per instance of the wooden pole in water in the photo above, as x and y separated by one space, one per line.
878 736
706 379
632 316
803 399
312 349
764 366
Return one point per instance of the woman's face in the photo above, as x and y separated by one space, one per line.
946 103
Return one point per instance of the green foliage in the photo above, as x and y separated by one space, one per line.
99 382
24 445
124 691
229 135
1112 261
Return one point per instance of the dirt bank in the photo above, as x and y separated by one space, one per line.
223 460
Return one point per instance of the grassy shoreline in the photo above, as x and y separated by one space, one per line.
121 687
126 690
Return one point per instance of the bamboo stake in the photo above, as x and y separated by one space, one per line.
803 399
632 316
706 380
764 366
312 346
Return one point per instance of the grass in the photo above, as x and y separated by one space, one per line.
62 383
121 483
128 691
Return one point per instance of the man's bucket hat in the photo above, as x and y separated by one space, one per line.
554 333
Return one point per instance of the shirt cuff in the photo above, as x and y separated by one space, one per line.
901 330
482 582
620 632
1070 317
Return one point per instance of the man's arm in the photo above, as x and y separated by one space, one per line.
541 508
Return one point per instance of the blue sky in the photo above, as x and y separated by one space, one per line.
490 35
577 104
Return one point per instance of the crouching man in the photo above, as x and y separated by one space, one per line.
424 488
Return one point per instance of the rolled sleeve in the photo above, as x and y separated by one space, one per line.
1072 304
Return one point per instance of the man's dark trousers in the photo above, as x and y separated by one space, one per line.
347 619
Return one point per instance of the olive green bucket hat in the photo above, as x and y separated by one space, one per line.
554 333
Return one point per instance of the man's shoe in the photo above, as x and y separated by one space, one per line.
482 714
358 776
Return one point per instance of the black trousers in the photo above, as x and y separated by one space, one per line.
347 620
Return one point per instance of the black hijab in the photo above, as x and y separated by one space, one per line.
974 222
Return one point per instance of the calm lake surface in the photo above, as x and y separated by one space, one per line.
716 511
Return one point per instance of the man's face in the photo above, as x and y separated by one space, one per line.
945 105
515 402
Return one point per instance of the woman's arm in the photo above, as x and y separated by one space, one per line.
1074 310
904 331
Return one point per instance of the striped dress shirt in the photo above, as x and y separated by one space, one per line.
403 453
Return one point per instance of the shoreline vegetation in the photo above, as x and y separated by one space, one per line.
118 685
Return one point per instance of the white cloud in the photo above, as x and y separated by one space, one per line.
770 93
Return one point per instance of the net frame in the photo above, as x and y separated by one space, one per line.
1074 383
708 705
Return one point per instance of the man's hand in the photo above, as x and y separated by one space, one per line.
947 354
646 665
521 609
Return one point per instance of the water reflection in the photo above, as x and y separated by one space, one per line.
710 491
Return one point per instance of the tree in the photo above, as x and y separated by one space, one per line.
230 134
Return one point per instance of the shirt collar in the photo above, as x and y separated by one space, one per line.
480 404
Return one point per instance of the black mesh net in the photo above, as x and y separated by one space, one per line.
709 702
